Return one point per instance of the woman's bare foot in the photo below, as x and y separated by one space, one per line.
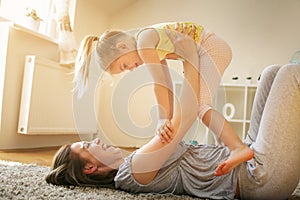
236 157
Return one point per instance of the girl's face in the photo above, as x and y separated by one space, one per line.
98 153
128 61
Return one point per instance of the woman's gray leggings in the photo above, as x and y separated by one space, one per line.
274 135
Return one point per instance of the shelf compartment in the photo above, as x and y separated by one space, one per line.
233 95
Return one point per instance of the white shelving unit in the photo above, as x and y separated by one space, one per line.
238 99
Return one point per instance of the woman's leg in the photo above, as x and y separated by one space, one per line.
261 96
275 170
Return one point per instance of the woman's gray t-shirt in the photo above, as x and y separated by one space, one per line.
189 171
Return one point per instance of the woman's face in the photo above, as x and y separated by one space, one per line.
128 61
98 153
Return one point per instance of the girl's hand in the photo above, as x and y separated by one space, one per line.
165 132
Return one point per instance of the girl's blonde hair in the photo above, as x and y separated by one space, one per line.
107 52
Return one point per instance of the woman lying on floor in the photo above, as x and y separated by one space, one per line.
180 168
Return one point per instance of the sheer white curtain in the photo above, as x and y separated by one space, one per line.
66 38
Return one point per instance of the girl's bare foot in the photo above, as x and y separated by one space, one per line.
236 157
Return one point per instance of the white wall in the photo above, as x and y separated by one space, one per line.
89 19
260 32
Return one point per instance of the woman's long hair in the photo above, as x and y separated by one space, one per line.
106 50
67 170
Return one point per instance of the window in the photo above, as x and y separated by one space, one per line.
15 10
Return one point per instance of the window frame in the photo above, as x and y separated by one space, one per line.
44 9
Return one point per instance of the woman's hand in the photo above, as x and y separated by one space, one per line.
184 29
184 43
165 131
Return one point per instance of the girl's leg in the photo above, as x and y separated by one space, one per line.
274 172
215 56
260 99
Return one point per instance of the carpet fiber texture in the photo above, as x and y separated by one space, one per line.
26 181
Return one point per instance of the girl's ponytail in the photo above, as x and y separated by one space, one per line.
82 64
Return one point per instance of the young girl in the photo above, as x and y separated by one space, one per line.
205 58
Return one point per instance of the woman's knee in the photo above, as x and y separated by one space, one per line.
270 71
290 70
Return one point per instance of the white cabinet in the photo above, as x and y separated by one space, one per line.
12 58
234 101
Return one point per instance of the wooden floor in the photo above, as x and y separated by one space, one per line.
39 156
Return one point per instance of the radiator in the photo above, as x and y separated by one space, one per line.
46 100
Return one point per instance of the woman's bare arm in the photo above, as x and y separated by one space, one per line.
149 158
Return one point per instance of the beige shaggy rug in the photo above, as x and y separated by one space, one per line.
26 181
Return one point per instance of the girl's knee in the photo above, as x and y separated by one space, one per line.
203 108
